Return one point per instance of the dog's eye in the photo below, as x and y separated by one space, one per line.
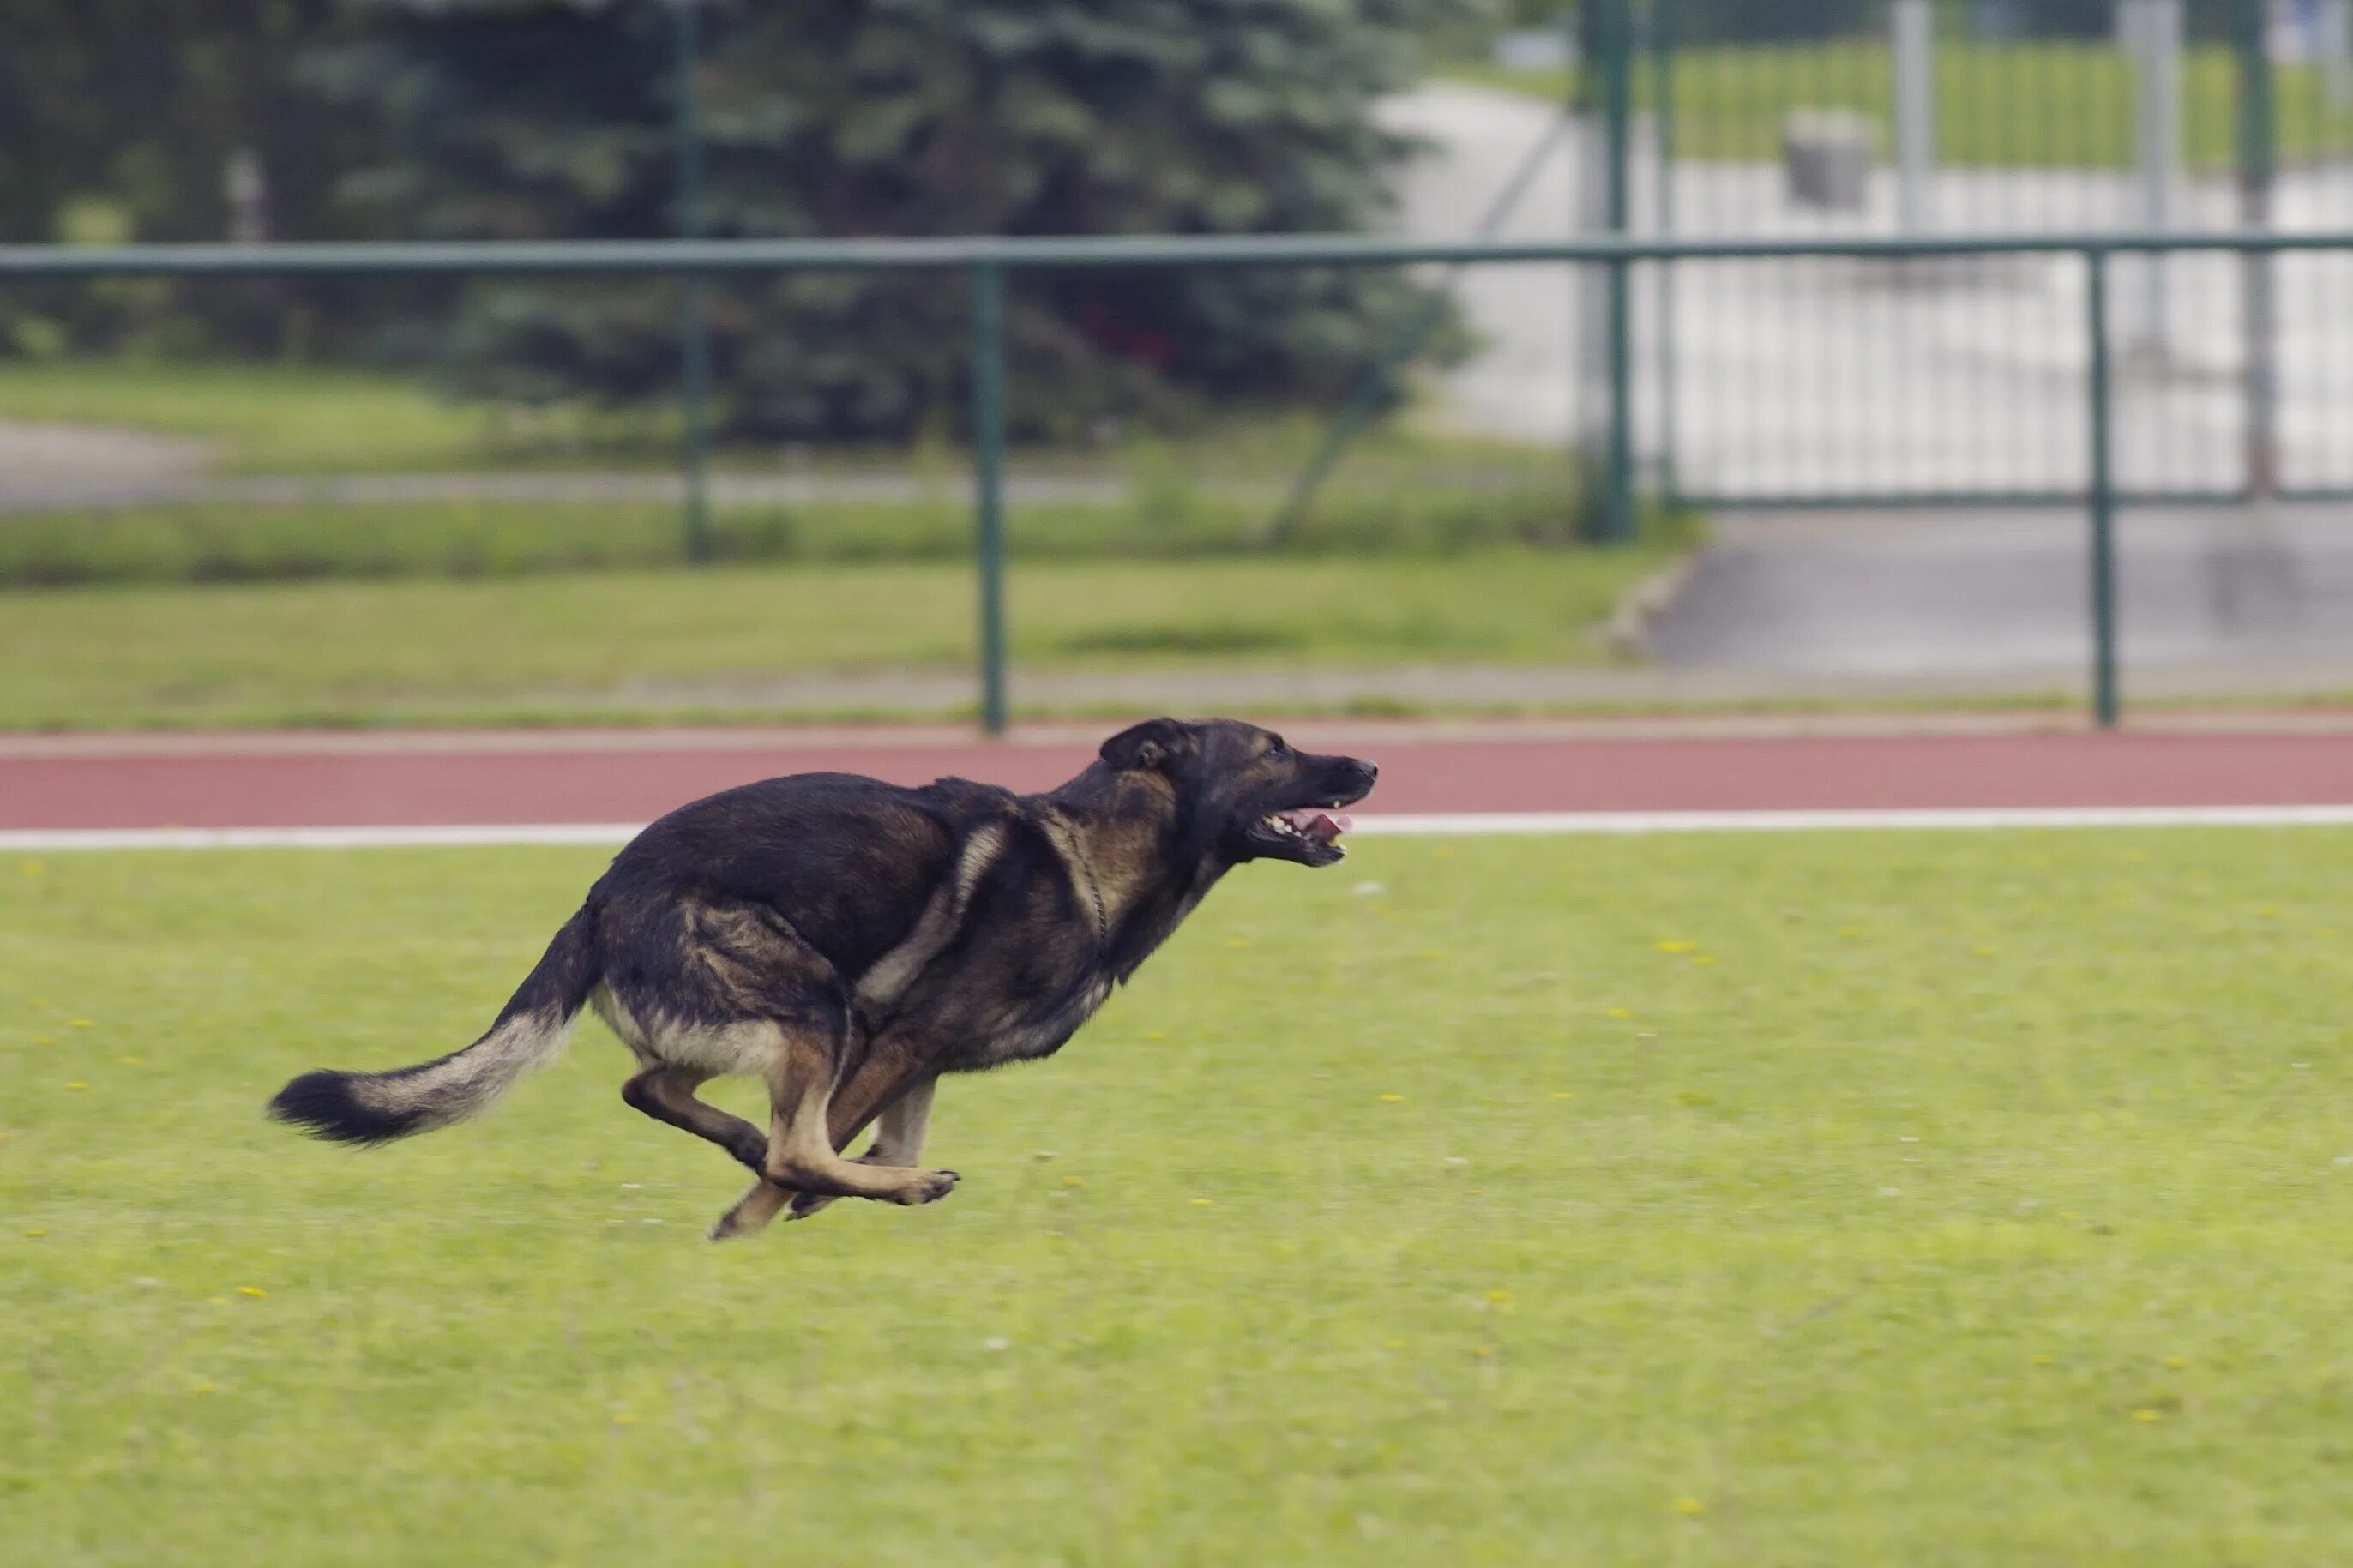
1278 748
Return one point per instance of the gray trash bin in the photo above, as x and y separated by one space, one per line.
1829 153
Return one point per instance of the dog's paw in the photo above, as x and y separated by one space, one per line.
926 1187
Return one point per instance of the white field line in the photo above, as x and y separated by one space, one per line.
1434 824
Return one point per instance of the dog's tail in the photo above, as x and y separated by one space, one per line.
376 1106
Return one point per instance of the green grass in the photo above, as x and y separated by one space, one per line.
512 649
298 419
1955 1200
277 419
1390 501
2041 105
1216 491
228 543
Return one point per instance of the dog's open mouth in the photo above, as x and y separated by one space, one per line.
1309 834
1317 825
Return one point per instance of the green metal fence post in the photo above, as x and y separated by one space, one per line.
1616 42
1662 121
693 325
988 482
2103 498
2257 164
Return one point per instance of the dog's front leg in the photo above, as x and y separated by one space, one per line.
813 1118
898 1138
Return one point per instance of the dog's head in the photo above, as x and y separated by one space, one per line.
1243 791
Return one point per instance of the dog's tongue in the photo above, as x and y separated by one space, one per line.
1319 824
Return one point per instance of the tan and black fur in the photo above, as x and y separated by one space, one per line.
849 941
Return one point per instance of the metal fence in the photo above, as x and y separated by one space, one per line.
1940 377
2080 438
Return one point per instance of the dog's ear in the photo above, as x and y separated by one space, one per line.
1146 745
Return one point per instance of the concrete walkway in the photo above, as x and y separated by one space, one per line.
41 460
2214 601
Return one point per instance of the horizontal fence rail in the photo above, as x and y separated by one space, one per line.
1050 253
987 261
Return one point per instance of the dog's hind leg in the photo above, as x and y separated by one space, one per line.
667 1094
802 1155
898 1133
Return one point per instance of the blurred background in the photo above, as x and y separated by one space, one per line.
1480 488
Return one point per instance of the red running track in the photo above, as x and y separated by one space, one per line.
325 780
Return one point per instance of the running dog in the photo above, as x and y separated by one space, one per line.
849 941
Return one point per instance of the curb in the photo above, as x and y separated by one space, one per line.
1628 633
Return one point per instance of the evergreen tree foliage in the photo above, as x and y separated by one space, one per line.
553 118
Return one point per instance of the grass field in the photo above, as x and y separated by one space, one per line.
2024 106
524 649
1398 497
275 418
1970 1199
310 420
225 542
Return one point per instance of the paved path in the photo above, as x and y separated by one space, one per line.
2212 600
297 781
47 464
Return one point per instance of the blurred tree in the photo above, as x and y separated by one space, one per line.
551 119
167 119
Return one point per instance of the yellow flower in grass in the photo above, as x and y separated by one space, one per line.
2146 1414
1204 1203
1676 946
254 1290
1391 1098
1622 1012
1690 1507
